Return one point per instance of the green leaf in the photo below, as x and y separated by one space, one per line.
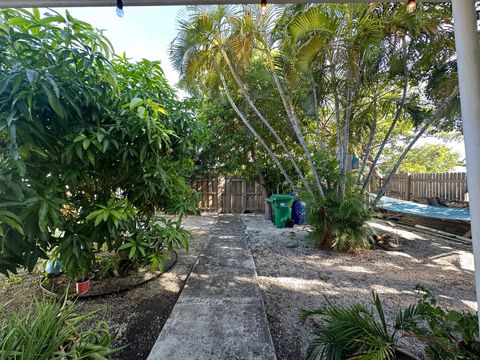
42 216
100 137
132 252
91 157
98 220
54 85
125 246
11 116
135 102
12 220
54 102
12 132
21 168
32 76
141 112
106 144
78 150
86 144
80 138
93 215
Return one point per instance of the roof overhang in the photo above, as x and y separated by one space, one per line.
87 3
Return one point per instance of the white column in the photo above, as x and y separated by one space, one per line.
468 58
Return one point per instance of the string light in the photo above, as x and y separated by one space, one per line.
411 6
263 6
120 12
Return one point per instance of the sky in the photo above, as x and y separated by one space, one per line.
143 32
146 32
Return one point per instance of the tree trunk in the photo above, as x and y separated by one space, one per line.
437 115
293 118
261 178
389 132
337 115
371 138
257 136
346 140
315 112
247 97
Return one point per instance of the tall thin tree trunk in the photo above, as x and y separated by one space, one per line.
315 111
338 118
257 136
293 118
437 115
371 138
261 178
389 132
346 140
247 97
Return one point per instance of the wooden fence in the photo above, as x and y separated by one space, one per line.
447 186
228 194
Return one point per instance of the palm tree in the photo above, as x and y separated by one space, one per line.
204 45
341 38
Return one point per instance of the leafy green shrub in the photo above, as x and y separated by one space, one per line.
450 334
110 265
91 145
358 332
338 222
152 244
49 331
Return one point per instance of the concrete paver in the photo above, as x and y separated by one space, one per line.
220 313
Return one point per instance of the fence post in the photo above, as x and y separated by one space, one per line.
244 195
409 187
221 194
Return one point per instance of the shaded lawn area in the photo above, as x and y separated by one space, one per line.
293 274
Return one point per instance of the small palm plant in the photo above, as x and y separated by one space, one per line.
339 222
359 333
363 334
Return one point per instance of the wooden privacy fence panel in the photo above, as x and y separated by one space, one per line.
447 186
229 194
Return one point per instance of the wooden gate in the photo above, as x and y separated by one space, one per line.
229 194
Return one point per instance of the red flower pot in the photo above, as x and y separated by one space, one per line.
82 286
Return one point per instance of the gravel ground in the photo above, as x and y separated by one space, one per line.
138 315
293 274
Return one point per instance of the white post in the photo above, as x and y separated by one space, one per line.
468 59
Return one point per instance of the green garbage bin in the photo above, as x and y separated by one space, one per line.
282 209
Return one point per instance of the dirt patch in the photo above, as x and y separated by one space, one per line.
138 315
60 285
293 274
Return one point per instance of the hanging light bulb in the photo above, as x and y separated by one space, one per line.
263 6
120 12
411 6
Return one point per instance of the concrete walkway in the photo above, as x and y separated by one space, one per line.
220 314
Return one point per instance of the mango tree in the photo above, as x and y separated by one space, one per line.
90 148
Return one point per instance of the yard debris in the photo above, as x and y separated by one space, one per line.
387 241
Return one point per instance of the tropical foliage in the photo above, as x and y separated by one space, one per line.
338 223
338 80
90 147
359 332
428 158
52 331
